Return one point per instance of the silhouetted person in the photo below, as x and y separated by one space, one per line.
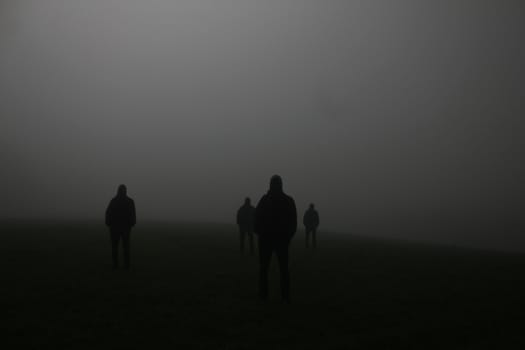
311 222
245 220
120 218
275 224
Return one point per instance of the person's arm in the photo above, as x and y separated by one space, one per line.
252 218
258 217
133 214
238 216
293 218
317 219
109 215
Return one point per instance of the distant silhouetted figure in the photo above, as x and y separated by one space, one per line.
245 220
311 222
120 218
275 224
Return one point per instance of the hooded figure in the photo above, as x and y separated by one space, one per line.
120 218
245 219
311 222
275 224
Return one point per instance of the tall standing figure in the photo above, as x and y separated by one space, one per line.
120 218
245 219
311 222
275 224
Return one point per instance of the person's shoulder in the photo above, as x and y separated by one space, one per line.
289 198
263 199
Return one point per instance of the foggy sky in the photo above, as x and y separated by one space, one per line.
396 118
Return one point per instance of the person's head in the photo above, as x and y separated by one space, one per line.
247 201
276 184
122 191
312 206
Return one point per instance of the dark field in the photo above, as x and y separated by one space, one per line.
189 288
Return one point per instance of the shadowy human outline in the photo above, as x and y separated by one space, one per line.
275 225
311 222
245 221
120 218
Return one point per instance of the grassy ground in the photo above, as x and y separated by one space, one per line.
189 287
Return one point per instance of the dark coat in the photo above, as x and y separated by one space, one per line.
246 217
121 212
311 219
276 216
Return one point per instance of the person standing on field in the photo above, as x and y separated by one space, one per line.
311 222
245 220
120 218
275 224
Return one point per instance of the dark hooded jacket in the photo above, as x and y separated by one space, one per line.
121 211
311 219
276 215
246 217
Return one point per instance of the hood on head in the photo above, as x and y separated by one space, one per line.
122 191
276 184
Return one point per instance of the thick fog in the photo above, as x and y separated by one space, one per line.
396 118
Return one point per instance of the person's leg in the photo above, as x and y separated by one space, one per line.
314 239
265 254
126 233
307 235
241 240
115 238
250 236
282 256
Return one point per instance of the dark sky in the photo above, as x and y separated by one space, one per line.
397 118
